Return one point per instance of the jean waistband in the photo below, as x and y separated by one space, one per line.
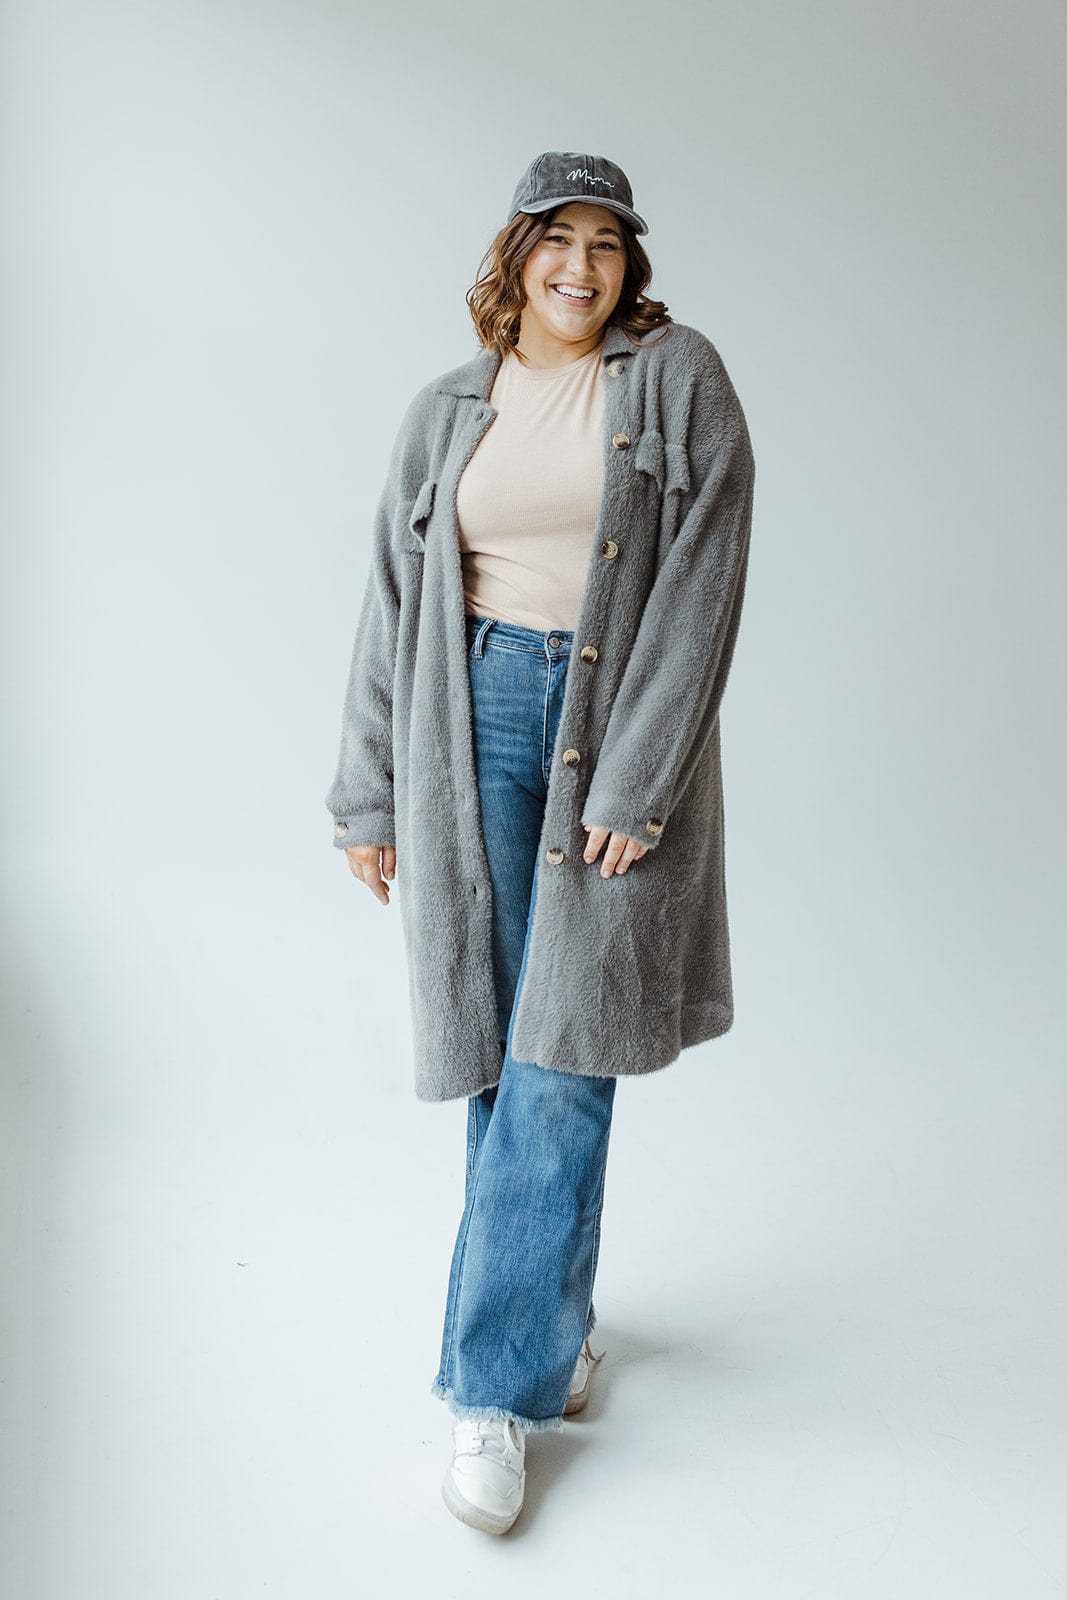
483 631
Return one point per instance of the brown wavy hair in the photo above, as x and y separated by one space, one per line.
497 297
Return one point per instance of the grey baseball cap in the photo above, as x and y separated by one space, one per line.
558 176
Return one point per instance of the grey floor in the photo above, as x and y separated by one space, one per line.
830 1290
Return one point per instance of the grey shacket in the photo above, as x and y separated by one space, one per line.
625 972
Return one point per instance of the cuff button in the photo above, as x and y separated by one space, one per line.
654 826
340 828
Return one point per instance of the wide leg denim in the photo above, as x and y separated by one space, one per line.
520 1288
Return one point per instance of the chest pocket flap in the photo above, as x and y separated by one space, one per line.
665 462
415 533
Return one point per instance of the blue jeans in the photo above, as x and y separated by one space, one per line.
520 1288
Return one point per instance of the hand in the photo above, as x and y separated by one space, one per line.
620 852
364 864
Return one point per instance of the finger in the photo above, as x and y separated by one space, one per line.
389 861
592 844
364 863
373 879
613 854
633 851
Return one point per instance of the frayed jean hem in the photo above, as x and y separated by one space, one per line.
479 1413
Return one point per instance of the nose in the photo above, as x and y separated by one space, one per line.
580 258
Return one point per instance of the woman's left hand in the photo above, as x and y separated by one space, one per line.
620 852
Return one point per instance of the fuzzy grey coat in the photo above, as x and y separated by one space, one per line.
625 972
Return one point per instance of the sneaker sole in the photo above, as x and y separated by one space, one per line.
474 1516
577 1401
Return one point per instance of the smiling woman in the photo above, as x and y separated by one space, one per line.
581 244
572 280
530 732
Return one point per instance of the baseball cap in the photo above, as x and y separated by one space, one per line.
559 176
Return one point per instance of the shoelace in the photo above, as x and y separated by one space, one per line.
487 1436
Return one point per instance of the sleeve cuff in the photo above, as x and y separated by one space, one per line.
375 828
646 827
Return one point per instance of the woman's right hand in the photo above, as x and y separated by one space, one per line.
364 864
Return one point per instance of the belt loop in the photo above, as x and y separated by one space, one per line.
478 649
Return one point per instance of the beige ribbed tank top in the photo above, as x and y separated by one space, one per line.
528 501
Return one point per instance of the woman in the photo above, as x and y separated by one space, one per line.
531 729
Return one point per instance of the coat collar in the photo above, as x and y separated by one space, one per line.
475 377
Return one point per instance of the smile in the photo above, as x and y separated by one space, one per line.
567 292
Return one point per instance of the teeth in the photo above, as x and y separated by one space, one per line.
574 294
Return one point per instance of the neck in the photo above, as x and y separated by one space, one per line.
542 350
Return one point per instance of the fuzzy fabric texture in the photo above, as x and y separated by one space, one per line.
625 972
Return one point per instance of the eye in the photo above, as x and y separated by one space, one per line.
561 238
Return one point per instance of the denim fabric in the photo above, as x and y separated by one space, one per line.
520 1286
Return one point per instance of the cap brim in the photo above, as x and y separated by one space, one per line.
638 223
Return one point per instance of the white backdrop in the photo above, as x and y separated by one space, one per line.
238 239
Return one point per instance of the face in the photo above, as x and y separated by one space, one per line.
583 249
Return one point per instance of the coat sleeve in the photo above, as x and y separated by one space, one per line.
360 798
674 679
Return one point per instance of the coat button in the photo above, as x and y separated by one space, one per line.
654 826
555 855
340 828
589 652
621 441
572 757
615 368
609 549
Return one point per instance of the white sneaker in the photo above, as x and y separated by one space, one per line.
485 1482
579 1390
